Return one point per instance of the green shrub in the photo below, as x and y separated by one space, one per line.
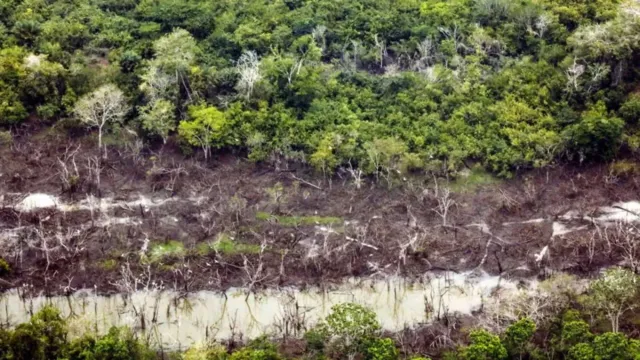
5 268
382 349
484 346
316 340
597 135
5 138
351 326
624 168
630 109
518 335
258 349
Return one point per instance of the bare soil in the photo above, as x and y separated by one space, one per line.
282 221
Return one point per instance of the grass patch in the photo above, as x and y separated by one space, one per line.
624 168
226 245
475 178
108 264
166 250
294 221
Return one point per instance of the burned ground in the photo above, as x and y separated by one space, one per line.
160 218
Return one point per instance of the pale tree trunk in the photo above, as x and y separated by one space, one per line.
102 152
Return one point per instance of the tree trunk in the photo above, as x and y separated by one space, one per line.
102 152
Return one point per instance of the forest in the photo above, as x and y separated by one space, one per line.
302 142
375 86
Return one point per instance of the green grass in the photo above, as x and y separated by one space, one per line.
293 221
108 264
477 177
227 246
166 250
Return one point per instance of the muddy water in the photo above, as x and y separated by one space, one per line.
177 322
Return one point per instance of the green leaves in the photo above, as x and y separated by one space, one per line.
518 335
597 135
484 346
351 327
209 128
613 294
159 118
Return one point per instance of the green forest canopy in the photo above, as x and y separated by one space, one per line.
385 85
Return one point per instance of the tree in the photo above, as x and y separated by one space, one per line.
630 109
611 346
351 326
518 335
248 66
575 332
484 346
43 338
175 54
12 111
158 118
597 134
208 128
382 349
52 330
613 294
103 107
582 351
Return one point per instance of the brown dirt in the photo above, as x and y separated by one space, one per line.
378 220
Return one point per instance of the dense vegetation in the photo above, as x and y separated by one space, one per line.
380 86
577 327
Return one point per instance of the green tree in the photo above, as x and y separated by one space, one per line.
630 109
43 338
351 326
611 346
382 349
484 346
575 332
613 294
582 351
121 344
158 118
597 134
208 128
105 106
12 112
517 337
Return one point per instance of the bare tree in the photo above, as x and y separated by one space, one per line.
356 174
574 72
445 202
248 66
381 46
319 35
454 35
69 174
104 106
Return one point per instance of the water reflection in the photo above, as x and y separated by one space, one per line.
176 321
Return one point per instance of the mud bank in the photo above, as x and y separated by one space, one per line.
226 223
174 321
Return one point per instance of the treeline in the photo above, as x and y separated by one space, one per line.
382 86
580 327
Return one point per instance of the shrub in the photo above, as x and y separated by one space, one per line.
597 135
382 349
5 138
630 109
484 346
351 326
5 268
518 335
